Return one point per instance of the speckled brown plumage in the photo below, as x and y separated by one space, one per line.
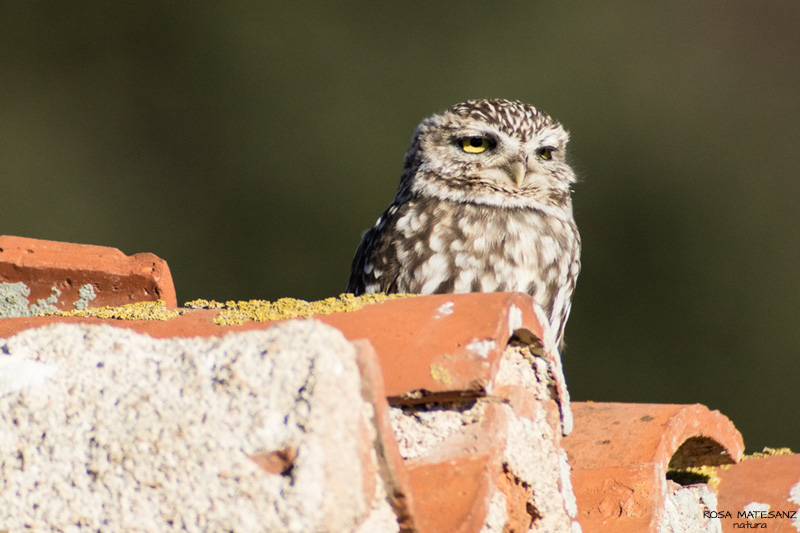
484 205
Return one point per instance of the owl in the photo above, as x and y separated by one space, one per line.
484 205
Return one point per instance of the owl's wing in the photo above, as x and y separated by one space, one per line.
359 278
375 266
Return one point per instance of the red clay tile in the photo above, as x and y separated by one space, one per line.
749 485
453 495
56 272
391 467
448 346
619 455
453 484
441 343
197 323
525 405
518 496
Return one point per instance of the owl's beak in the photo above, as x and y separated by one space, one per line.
516 171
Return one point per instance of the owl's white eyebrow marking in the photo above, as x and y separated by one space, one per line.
482 130
549 138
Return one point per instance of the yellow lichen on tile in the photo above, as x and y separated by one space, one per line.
234 313
441 374
136 311
204 304
767 452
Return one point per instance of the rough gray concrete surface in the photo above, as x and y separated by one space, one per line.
421 429
497 515
533 452
683 510
108 430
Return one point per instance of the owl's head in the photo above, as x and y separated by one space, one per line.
492 152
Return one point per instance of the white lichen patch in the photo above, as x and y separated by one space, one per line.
482 348
86 294
755 508
794 493
514 319
794 496
570 502
445 309
14 301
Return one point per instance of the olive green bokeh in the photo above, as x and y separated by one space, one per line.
249 144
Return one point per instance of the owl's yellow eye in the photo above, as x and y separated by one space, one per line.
545 153
475 145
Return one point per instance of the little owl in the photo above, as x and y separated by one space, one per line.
483 205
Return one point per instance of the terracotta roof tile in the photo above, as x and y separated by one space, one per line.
620 454
65 275
391 467
453 485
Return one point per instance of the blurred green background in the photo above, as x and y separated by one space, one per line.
250 144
